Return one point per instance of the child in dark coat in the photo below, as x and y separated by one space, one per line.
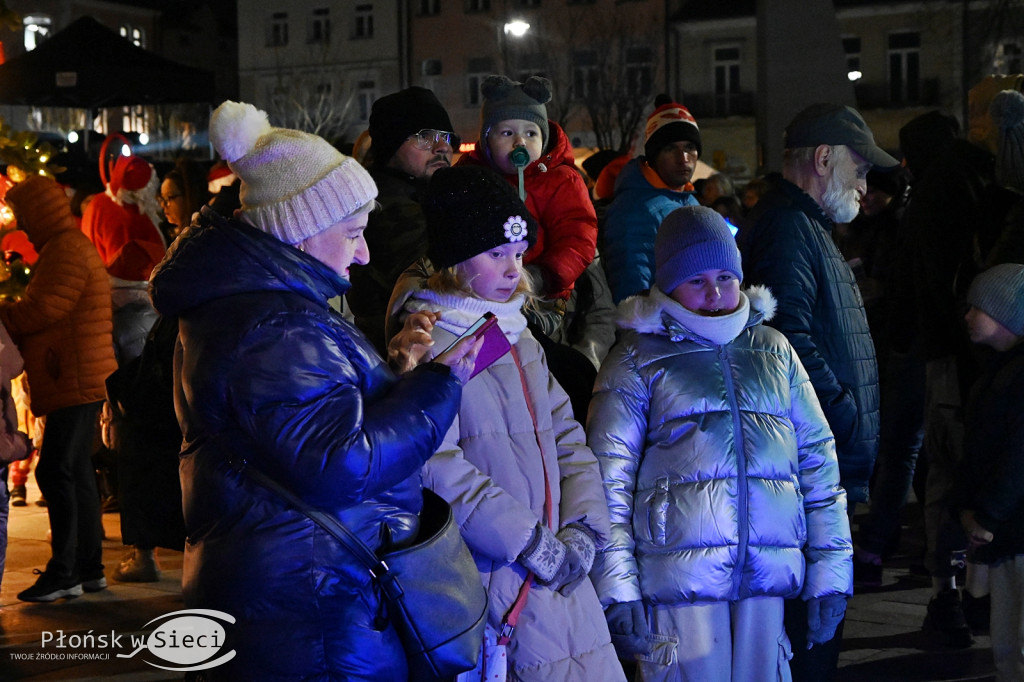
991 484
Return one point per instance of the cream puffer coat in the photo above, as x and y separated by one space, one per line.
719 466
491 468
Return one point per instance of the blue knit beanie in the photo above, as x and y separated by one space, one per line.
693 239
999 293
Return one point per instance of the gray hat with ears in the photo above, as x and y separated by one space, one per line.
999 293
506 99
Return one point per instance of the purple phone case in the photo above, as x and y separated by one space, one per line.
495 345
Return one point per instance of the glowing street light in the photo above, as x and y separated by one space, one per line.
517 28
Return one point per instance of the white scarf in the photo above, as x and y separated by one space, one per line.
718 330
459 311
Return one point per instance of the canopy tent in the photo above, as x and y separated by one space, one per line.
90 66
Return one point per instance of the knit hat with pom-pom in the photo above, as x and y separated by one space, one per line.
506 99
669 122
294 185
1007 113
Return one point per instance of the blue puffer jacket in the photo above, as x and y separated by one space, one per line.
631 224
789 249
266 368
719 468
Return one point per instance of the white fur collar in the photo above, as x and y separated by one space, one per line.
656 313
459 311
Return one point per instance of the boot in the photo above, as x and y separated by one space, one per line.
138 566
18 496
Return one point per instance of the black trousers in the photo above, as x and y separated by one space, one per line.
68 482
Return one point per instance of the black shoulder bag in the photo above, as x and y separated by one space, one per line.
435 597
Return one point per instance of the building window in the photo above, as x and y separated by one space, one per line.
135 34
639 71
584 73
277 30
364 22
37 29
430 8
1007 59
579 2
851 46
366 93
905 67
479 68
528 3
727 70
320 26
478 6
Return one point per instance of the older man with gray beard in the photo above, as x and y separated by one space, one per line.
789 248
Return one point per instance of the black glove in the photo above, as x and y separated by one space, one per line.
628 627
823 617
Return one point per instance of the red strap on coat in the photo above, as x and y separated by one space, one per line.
511 619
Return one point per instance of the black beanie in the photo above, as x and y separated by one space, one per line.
470 209
395 117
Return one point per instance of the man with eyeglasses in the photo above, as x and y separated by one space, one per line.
411 137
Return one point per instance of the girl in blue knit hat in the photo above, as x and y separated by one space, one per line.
719 469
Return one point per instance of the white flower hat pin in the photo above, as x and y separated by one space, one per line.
515 228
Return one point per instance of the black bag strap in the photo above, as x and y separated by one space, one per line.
377 567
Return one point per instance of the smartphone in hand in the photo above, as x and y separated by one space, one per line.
495 343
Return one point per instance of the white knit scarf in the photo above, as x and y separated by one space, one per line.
459 311
718 330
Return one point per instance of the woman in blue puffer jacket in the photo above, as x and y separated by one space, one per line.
720 473
267 371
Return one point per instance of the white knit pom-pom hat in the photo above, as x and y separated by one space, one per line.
294 185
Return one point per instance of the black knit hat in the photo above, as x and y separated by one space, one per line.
470 209
395 117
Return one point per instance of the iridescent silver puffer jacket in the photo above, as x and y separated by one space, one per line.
719 467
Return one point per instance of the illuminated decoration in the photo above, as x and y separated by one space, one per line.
73 136
854 75
467 147
24 155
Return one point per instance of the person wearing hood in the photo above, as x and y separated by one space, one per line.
269 377
63 327
720 472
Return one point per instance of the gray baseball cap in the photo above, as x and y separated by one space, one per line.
834 124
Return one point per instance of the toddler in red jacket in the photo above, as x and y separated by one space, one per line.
534 154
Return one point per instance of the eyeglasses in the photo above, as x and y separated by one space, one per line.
429 138
163 201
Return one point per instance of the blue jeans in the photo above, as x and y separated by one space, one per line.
902 433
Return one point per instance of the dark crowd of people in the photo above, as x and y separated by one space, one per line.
697 384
